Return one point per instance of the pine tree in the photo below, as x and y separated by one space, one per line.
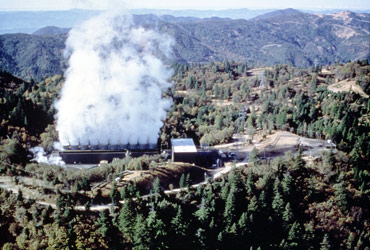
179 224
252 206
25 121
309 235
249 184
262 200
219 122
253 156
127 219
287 216
229 213
350 241
200 238
294 236
182 181
298 161
156 189
286 185
278 204
341 194
157 231
325 244
141 237
202 213
103 223
188 181
114 194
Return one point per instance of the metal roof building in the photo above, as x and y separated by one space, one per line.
183 150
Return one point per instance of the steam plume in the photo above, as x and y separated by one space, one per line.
41 157
114 83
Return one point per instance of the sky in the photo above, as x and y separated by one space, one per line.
183 4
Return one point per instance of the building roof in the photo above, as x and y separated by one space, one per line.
183 145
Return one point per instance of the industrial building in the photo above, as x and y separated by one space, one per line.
94 154
183 150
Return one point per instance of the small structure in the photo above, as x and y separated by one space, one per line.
184 150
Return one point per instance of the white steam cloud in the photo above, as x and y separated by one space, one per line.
114 83
41 157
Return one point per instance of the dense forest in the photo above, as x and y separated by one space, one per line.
286 202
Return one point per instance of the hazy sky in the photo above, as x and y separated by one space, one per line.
183 4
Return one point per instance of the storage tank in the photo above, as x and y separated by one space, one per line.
84 147
75 147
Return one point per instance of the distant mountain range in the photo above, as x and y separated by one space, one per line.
30 21
283 36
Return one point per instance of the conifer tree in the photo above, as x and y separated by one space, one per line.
141 238
104 223
157 231
127 219
298 161
287 216
286 185
114 194
341 194
202 213
249 184
278 204
262 200
325 244
252 206
182 181
229 213
179 224
253 156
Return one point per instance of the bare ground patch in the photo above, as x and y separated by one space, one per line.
347 86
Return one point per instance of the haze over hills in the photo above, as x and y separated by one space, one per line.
284 36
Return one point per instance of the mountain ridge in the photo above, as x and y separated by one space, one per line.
30 21
285 37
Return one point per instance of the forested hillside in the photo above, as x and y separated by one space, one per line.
31 56
293 201
283 37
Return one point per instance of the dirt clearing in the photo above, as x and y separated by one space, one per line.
347 86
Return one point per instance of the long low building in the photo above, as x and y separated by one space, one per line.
96 156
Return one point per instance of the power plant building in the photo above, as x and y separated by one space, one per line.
184 150
93 154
